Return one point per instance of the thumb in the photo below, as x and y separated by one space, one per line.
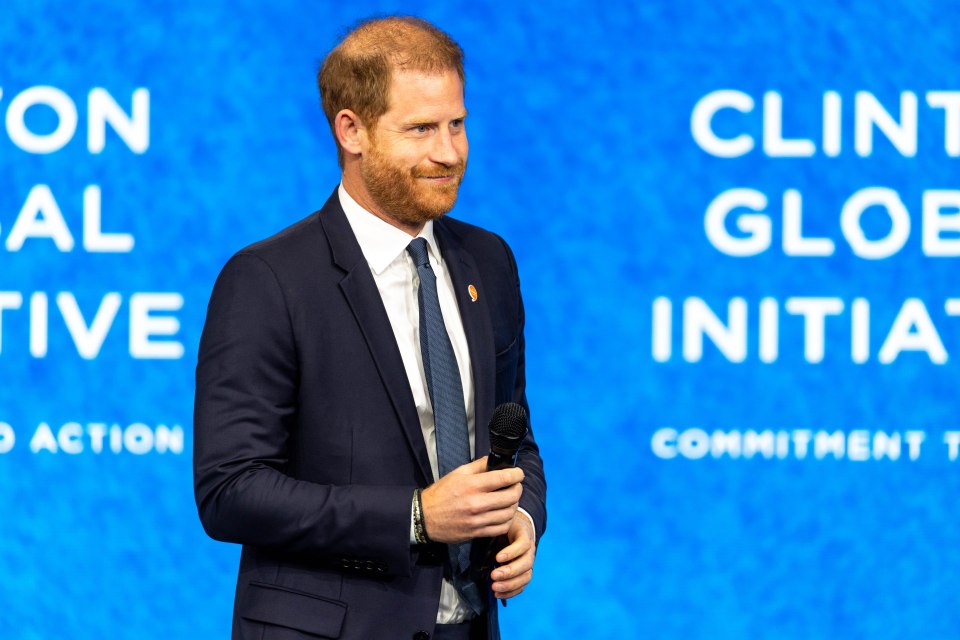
471 468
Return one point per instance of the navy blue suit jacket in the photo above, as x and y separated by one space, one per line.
307 444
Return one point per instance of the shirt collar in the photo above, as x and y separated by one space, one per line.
380 241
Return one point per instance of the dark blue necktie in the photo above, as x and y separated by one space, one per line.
446 396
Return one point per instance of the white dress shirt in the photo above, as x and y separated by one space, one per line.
385 249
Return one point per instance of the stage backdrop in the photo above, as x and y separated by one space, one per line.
738 230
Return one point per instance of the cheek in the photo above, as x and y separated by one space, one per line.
410 154
401 155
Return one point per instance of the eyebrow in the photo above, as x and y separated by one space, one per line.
414 123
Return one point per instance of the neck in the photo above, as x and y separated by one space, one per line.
353 184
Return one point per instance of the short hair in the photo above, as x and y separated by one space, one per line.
356 74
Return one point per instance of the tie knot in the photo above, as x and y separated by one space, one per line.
418 251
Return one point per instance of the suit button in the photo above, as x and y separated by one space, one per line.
421 635
371 565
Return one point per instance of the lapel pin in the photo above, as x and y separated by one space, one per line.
472 290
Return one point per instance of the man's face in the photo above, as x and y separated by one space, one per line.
418 150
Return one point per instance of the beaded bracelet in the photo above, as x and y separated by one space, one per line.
419 528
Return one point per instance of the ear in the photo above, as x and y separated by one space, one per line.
351 134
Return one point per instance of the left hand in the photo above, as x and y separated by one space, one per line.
516 559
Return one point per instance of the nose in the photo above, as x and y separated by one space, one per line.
445 149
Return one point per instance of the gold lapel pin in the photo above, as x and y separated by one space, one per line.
472 290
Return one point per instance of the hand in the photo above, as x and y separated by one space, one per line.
471 502
516 559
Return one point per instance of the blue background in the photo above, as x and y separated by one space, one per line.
582 158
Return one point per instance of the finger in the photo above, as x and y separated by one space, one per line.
511 572
500 478
515 549
480 503
491 531
503 516
477 466
508 595
513 585
517 567
494 523
496 499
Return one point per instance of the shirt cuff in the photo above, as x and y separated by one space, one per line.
413 508
530 518
413 534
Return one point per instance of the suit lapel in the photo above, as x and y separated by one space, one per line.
475 315
362 295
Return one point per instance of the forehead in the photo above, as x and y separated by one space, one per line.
425 95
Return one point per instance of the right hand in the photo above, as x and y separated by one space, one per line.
471 502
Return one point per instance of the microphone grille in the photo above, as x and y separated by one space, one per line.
508 426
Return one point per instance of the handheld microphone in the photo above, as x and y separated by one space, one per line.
508 427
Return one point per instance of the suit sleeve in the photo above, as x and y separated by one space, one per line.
244 413
534 498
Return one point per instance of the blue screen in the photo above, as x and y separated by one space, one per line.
737 227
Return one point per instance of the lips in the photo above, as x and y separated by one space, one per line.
455 173
439 176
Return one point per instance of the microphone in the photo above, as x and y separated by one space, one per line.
508 427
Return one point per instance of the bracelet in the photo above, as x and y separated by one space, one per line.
419 528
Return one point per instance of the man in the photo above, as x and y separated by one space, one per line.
348 364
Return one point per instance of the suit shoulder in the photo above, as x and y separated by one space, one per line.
301 236
290 254
476 239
